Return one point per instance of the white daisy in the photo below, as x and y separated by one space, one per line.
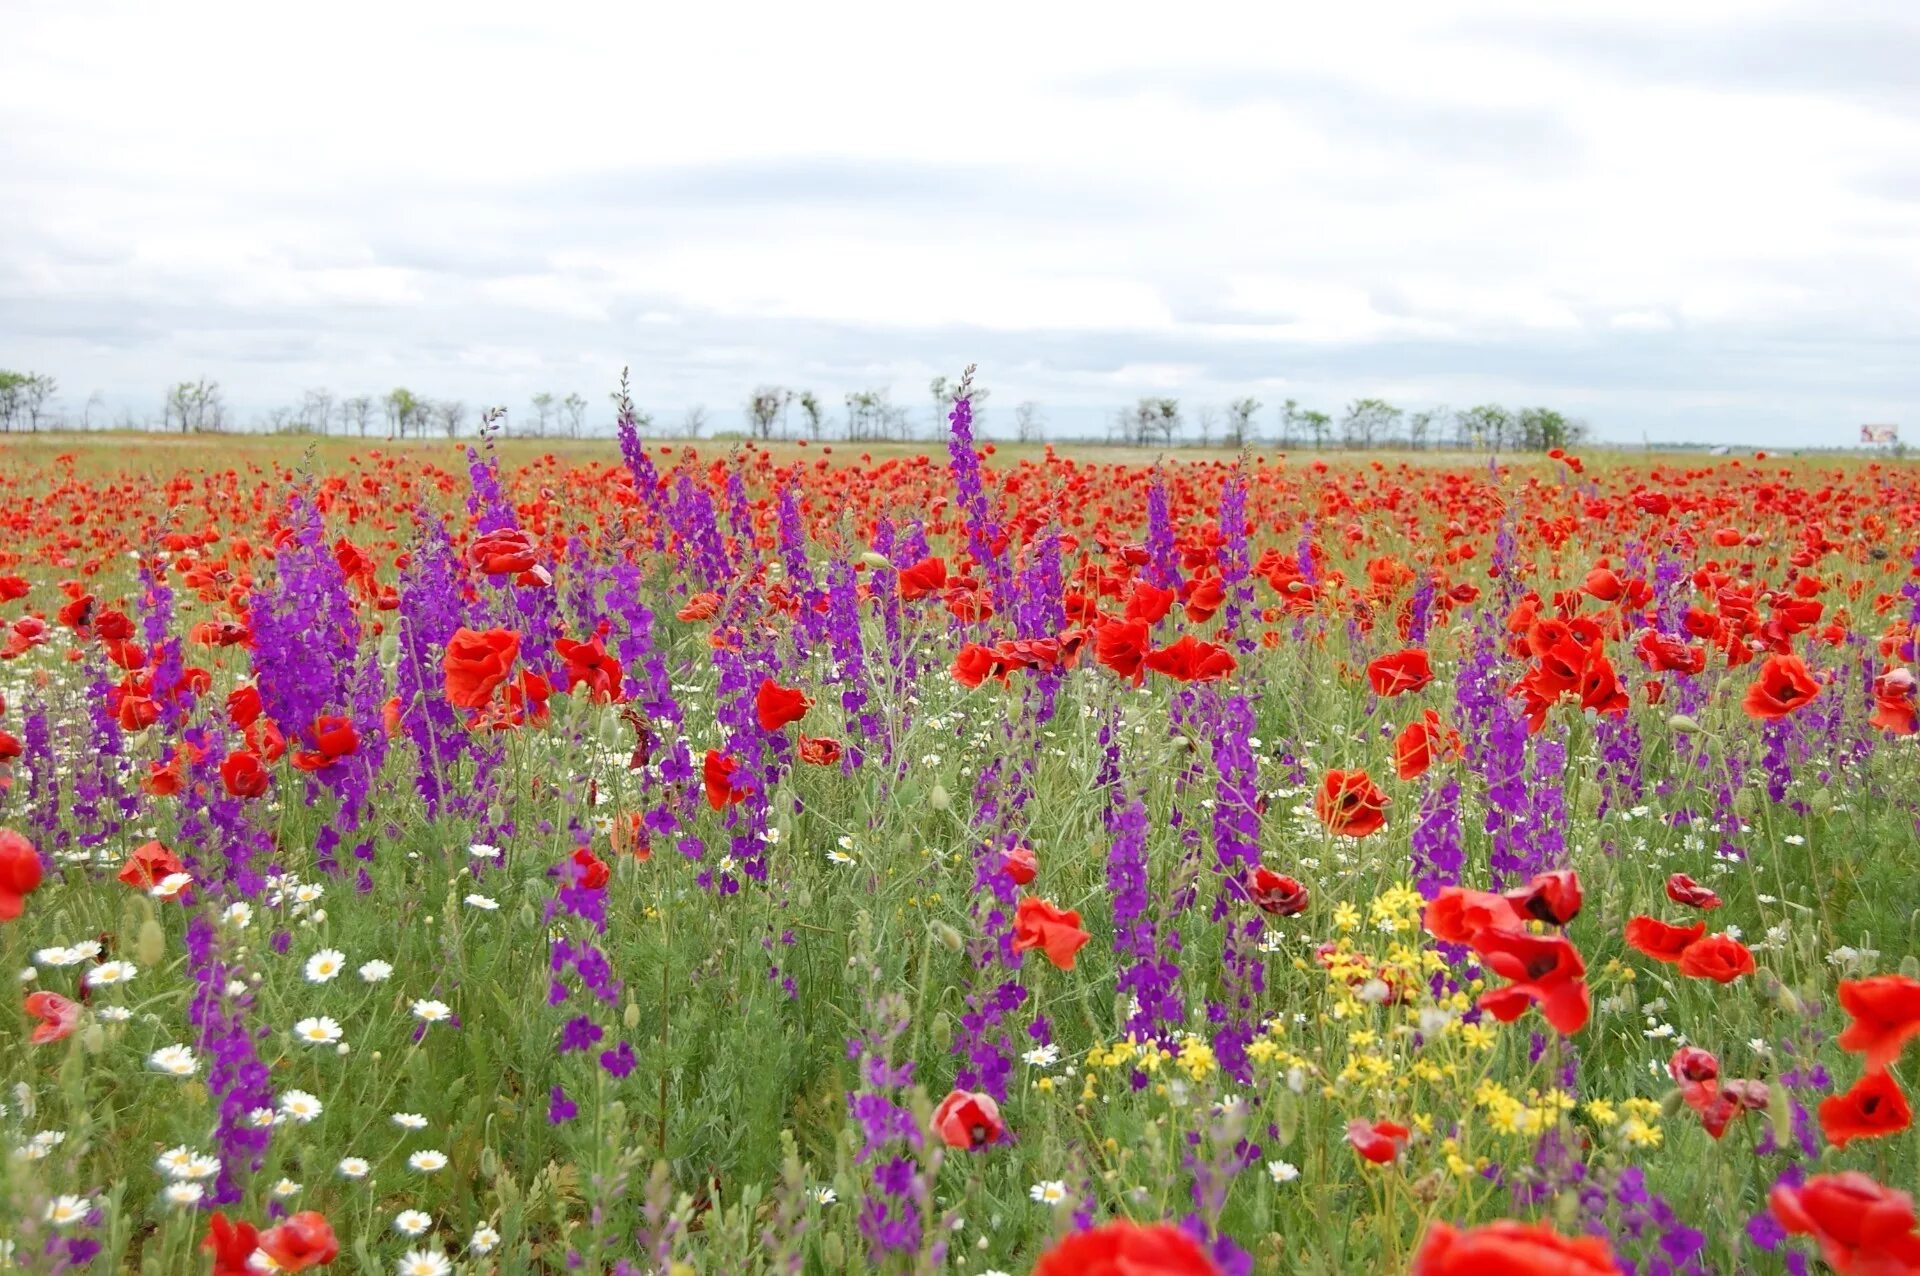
424 1262
200 1166
65 1211
410 1120
412 1222
354 1167
319 1030
823 1195
170 885
238 916
285 1188
376 971
113 1014
1283 1171
177 1061
1048 1191
184 1194
298 1105
481 851
431 1011
108 973
484 1239
325 965
427 1160
486 902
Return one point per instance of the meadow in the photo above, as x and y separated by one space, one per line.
692 858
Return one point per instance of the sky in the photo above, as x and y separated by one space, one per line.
1675 220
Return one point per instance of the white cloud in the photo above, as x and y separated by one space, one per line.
1636 207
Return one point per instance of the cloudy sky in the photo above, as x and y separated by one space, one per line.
1674 218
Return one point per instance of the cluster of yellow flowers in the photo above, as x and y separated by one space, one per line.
1632 1120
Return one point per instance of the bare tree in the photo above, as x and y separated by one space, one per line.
1240 421
810 408
1204 419
1289 417
316 409
356 413
450 414
543 404
1368 421
1026 421
94 400
694 421
764 408
197 405
573 409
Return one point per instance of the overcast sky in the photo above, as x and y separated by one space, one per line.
1693 220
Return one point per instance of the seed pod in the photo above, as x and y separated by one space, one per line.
938 799
151 946
1682 724
631 1015
876 562
949 937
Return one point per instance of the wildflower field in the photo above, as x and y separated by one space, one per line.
787 859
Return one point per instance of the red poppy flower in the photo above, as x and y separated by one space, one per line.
1603 584
1783 686
1873 1108
1682 889
1893 703
819 750
1273 893
716 773
243 706
1190 660
1457 914
1862 1228
928 576
1691 1064
591 665
589 870
1400 673
1720 958
1377 1141
1149 604
243 774
1660 941
968 1120
1885 1010
699 607
332 737
1350 805
1420 742
476 663
56 1014
1509 1248
1055 931
1553 898
509 552
303 1241
1021 865
1546 970
777 706
1122 1248
148 865
1122 646
231 1244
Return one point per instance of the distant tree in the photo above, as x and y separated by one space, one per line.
1289 417
1368 421
1487 426
197 406
357 413
1026 421
316 409
574 409
36 393
694 421
1318 425
1240 421
1542 429
945 392
764 408
450 415
12 391
1205 417
1420 425
543 407
94 400
810 408
403 411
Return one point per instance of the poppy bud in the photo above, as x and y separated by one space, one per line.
1745 804
1780 1114
1820 802
1910 966
1671 1103
1566 1210
942 1032
152 944
389 651
1683 724
949 937
94 1039
938 799
631 1015
876 562
489 1163
833 1251
608 729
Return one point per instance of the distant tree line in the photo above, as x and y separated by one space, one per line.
773 411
